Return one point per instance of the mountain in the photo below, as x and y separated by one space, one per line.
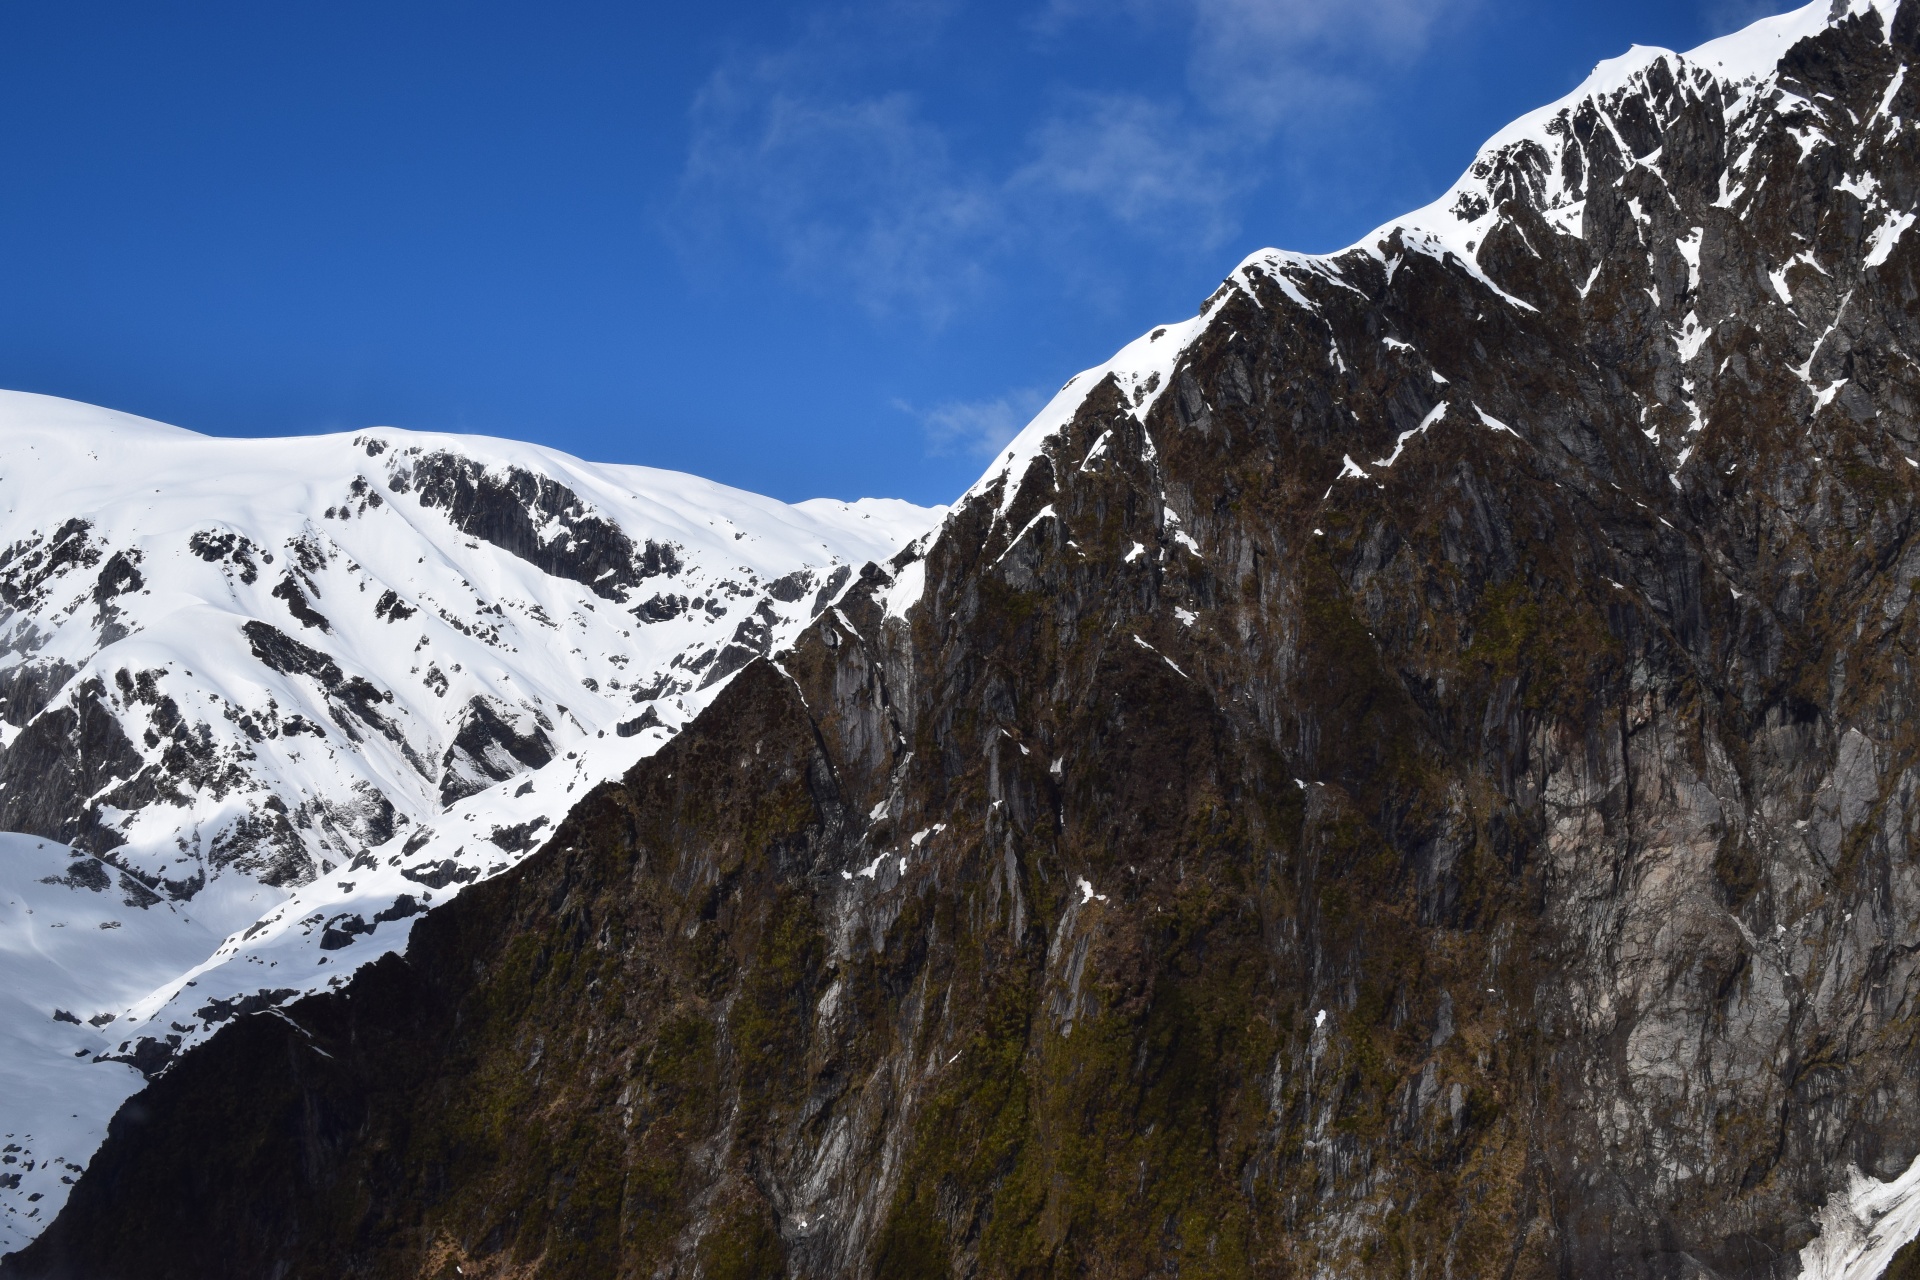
1408 772
263 701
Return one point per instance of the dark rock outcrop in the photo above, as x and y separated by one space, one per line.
537 519
72 750
492 744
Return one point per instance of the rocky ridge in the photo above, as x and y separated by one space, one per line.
1409 772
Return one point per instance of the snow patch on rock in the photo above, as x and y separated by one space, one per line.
1863 1226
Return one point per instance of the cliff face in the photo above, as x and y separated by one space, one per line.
1411 772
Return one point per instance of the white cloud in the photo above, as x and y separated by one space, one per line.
1724 16
1262 63
1055 16
854 188
854 193
863 196
976 427
1142 162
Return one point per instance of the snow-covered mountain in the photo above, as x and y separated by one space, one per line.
263 701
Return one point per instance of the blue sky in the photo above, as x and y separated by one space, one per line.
835 248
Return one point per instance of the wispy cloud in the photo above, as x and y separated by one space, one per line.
976 427
1054 16
862 193
853 193
1140 161
1723 16
1262 63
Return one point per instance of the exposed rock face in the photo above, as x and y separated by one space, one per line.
537 519
490 748
1411 772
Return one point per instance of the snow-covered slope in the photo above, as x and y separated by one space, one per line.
292 691
74 934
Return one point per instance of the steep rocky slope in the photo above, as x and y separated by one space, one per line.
1411 772
287 693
